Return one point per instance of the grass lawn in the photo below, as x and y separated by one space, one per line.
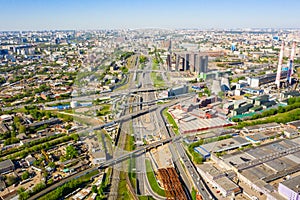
171 121
152 180
157 79
155 66
123 192
131 172
104 110
194 194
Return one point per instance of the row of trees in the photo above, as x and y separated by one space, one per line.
126 55
278 118
25 194
197 158
293 103
68 187
45 146
274 111
30 144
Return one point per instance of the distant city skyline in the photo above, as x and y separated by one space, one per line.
119 14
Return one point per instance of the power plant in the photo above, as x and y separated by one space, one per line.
290 65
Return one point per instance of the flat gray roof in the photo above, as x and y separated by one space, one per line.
295 123
237 159
262 126
280 164
226 144
210 169
226 184
293 183
6 163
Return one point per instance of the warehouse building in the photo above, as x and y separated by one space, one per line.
218 180
290 189
6 166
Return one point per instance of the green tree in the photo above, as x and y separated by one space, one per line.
71 152
207 91
38 187
143 59
94 189
52 165
16 120
23 195
10 180
221 94
25 175
11 140
22 129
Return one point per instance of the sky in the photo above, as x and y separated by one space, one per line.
119 14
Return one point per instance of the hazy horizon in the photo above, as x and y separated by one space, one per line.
18 15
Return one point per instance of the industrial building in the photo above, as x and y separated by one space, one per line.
257 81
225 145
190 123
218 180
295 125
203 152
261 127
290 189
178 91
243 106
259 167
261 136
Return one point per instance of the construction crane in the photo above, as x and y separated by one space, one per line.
296 85
277 81
290 69
46 155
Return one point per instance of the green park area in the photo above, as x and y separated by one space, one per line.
171 121
152 180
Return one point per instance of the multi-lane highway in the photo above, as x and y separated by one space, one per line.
120 144
187 170
197 180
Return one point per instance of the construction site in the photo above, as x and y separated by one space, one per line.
171 184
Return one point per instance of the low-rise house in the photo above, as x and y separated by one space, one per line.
52 121
30 160
6 166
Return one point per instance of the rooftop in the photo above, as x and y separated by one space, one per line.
262 126
227 144
226 184
295 123
6 164
210 169
293 184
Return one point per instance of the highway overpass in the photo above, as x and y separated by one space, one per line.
136 152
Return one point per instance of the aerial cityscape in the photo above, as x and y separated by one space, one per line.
176 100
